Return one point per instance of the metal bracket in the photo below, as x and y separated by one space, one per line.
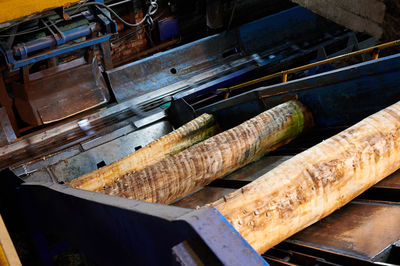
103 17
224 242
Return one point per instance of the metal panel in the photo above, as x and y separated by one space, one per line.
71 132
126 82
220 236
278 28
60 95
117 231
154 72
32 166
360 229
109 152
109 230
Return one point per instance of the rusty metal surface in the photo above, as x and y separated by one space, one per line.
61 95
7 134
202 197
360 229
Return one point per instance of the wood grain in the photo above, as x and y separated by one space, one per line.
316 182
197 166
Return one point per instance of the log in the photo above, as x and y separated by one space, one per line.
197 166
316 182
187 135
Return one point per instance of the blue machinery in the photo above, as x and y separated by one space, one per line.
22 51
116 231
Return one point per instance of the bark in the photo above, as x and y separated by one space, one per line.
189 134
316 182
202 163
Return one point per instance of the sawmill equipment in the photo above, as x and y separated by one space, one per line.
73 103
193 72
130 228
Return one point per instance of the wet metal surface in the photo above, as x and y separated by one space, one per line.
360 229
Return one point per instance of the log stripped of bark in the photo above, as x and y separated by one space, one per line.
316 182
187 135
204 162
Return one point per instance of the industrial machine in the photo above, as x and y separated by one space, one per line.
86 93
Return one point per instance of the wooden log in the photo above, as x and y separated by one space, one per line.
316 182
202 163
187 135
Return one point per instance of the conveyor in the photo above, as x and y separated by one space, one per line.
112 230
156 94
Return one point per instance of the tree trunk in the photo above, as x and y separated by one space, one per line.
191 133
200 164
316 182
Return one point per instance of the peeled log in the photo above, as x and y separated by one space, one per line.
316 182
187 135
197 166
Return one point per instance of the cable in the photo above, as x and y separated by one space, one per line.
139 28
22 33
128 36
151 11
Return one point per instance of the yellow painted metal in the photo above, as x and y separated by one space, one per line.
375 54
283 74
8 254
284 77
14 9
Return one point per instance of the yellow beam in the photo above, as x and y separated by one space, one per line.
8 255
14 9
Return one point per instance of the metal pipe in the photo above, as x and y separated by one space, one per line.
46 42
119 3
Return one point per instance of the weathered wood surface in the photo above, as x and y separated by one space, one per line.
316 182
197 166
191 133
